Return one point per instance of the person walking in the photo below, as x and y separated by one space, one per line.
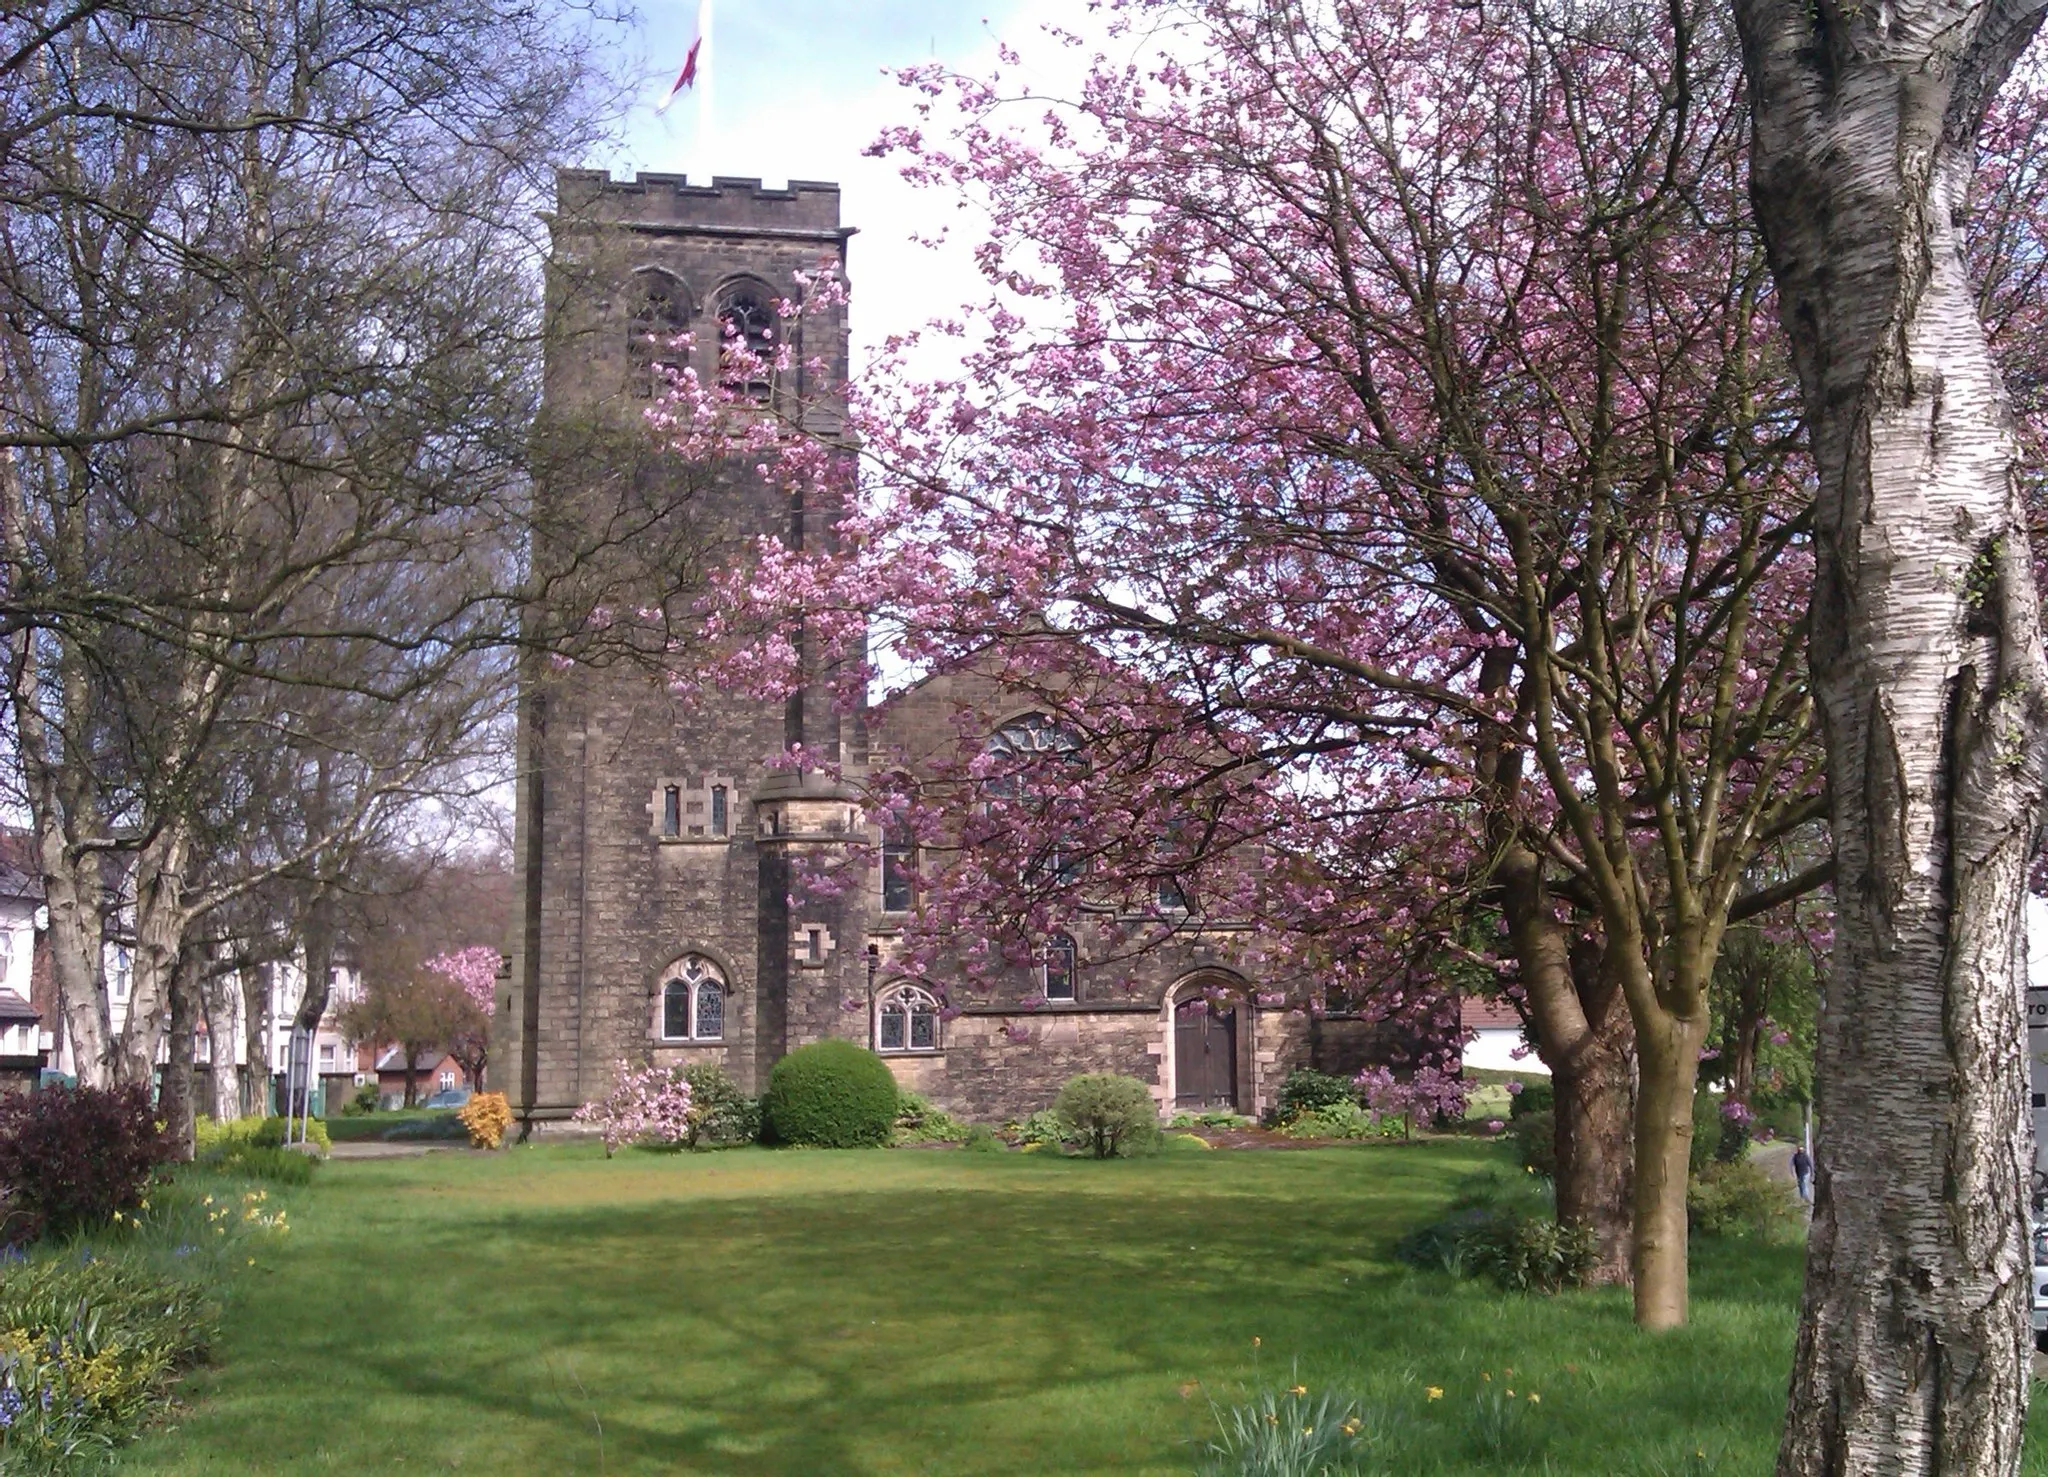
1802 1170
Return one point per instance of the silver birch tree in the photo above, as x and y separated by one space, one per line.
1928 672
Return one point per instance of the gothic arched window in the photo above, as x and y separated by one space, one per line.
661 315
693 1001
907 1019
749 334
1029 754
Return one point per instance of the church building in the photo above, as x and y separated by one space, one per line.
656 845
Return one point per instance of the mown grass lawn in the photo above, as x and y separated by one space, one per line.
881 1314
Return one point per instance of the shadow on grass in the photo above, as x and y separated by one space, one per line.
872 1315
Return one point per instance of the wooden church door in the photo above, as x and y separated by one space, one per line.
1204 1056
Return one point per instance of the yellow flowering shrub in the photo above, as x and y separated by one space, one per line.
487 1116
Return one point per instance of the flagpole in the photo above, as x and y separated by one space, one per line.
706 144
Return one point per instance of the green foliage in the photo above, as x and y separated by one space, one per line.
1294 1434
1345 1120
214 1138
1539 1096
720 1114
1215 1118
1534 1136
271 1166
1503 1227
1706 1131
363 1100
1185 1143
1305 1090
440 1126
830 1095
1043 1130
89 1346
1501 1428
1742 1199
981 1139
918 1122
1528 1253
270 1133
94 1333
1110 1114
1758 975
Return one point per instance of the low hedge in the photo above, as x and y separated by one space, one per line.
830 1095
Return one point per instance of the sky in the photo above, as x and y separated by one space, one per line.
796 90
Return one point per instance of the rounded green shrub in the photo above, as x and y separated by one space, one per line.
270 1133
1109 1113
830 1095
1305 1090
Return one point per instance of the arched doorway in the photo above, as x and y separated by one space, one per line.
1204 1055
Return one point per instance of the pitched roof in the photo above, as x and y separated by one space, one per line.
1479 1013
392 1059
13 1008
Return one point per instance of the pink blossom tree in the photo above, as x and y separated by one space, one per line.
1378 458
474 971
647 1104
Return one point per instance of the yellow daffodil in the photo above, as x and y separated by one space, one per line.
1436 1392
1534 1398
1297 1389
1255 1341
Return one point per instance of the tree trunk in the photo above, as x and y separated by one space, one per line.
255 1042
218 993
1595 1148
1926 660
411 1090
176 1100
1668 1068
316 943
161 920
1580 1027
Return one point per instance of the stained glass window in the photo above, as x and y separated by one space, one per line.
710 1011
693 1001
907 1019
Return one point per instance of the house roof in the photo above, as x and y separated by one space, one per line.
392 1059
1479 1013
15 1009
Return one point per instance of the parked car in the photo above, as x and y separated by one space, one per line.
2041 1286
453 1097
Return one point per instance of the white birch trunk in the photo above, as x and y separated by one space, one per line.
220 993
1926 657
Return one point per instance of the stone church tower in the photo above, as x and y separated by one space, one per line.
660 843
655 845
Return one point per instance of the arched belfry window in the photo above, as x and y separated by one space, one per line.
661 313
693 1001
749 335
1029 756
907 1019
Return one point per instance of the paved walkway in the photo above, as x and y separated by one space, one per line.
376 1149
